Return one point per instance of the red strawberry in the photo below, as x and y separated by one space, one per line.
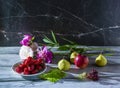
35 71
36 62
28 61
40 61
38 67
31 67
30 58
33 61
18 69
26 71
24 61
22 66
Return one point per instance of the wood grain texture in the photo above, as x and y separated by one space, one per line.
9 56
62 84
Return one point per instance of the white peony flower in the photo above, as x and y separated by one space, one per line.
25 51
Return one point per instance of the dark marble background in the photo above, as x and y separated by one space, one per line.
88 22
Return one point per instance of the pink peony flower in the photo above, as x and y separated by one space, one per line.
46 54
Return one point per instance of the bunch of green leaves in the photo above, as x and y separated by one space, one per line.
53 75
51 42
70 46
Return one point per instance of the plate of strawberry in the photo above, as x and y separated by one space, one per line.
30 68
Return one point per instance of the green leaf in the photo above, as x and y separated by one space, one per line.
47 41
54 38
105 54
79 50
71 48
45 37
64 48
105 49
71 42
53 75
33 38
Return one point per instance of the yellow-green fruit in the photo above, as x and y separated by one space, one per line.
72 56
63 65
101 60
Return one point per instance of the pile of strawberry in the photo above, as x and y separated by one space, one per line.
30 66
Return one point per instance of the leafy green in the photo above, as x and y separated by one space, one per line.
54 38
51 42
105 54
53 75
100 49
71 42
33 38
48 41
71 48
64 47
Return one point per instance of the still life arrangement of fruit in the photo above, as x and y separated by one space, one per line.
34 60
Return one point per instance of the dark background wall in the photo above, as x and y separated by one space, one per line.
88 22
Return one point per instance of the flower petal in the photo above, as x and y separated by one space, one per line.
45 54
26 40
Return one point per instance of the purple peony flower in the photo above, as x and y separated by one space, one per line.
46 54
26 40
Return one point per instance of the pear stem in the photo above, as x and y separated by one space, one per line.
64 57
101 51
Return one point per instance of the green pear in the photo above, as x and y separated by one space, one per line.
72 56
101 61
63 65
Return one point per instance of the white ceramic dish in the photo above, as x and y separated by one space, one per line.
31 76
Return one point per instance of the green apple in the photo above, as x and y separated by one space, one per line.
72 56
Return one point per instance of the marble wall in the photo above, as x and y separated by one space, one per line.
87 22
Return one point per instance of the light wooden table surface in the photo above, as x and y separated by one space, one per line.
8 79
